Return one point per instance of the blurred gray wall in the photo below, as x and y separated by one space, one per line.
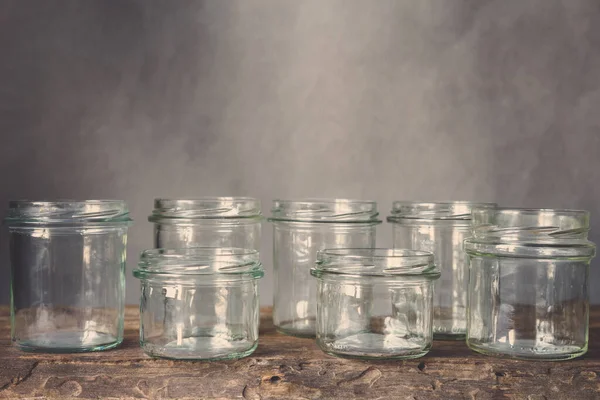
429 100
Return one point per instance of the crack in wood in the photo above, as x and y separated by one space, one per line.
473 394
69 387
17 380
275 386
369 376
302 364
436 384
96 361
251 393
143 388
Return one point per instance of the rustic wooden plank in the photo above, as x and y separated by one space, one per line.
290 368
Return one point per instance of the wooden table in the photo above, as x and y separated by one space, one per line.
290 368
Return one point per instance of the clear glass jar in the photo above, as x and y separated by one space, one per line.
207 222
199 303
300 229
375 303
528 290
441 229
67 263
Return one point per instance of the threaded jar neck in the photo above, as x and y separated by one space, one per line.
531 232
450 210
67 212
376 262
205 208
325 210
206 263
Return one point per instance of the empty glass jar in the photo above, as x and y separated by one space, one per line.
67 263
300 229
375 303
441 229
528 290
199 303
207 222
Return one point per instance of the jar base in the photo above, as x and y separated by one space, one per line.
374 346
207 348
69 342
528 350
299 328
376 357
449 336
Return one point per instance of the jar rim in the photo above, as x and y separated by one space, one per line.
200 262
530 223
325 210
31 212
376 262
531 232
524 210
207 207
459 210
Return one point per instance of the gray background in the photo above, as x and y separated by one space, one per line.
429 100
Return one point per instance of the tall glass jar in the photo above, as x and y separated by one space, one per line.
199 303
300 229
67 263
207 222
441 229
375 303
528 290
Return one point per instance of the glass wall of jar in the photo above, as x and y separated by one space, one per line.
199 303
394 319
300 229
441 229
528 290
207 222
67 262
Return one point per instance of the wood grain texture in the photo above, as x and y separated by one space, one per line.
290 368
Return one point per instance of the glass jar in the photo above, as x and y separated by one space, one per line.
441 229
300 229
528 290
207 222
67 263
393 320
199 303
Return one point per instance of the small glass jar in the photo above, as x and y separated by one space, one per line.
300 229
199 303
67 263
441 229
528 290
375 303
207 222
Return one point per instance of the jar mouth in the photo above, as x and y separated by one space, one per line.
205 208
430 211
325 210
531 232
528 224
201 262
376 262
27 212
